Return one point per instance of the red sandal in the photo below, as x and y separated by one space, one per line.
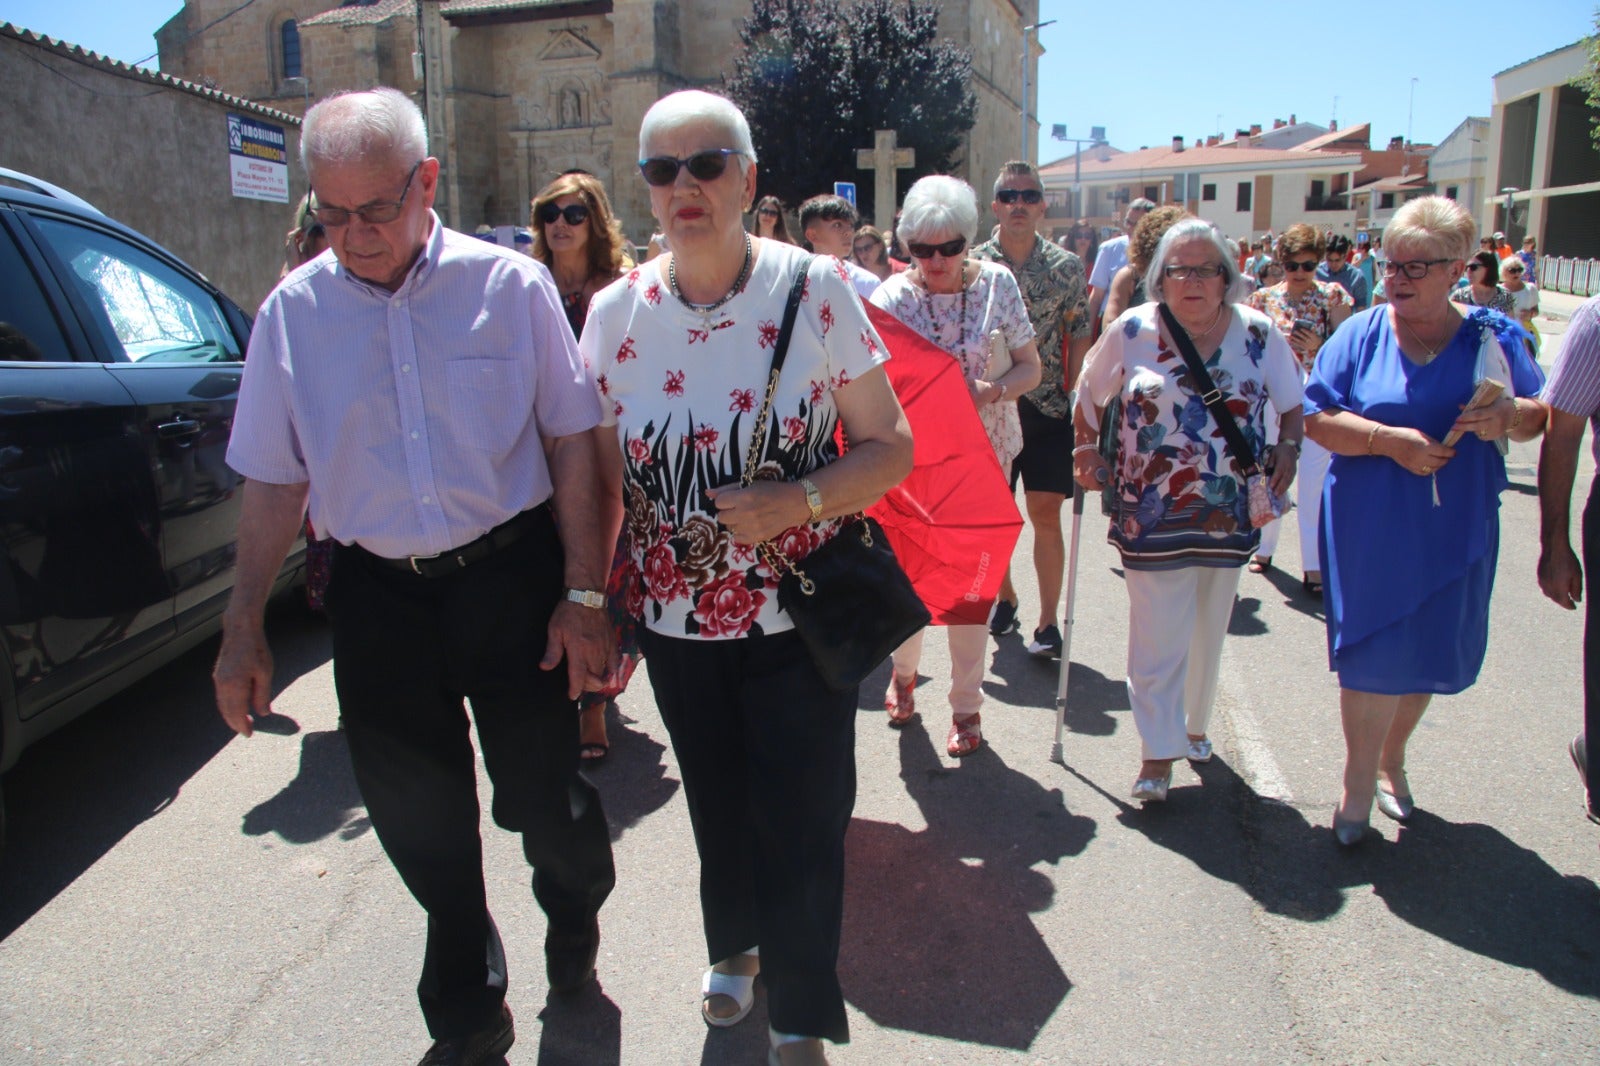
901 702
965 736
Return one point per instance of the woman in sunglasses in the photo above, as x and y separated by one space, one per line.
870 252
1181 515
1306 311
959 304
1084 242
769 220
682 350
1483 288
1524 297
1410 525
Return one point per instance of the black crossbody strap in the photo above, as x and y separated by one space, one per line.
780 351
1210 395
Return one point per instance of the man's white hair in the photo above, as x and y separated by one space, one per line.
380 124
694 106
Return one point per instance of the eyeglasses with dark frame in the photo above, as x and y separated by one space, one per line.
575 214
1415 269
374 214
949 249
709 165
1178 272
1027 196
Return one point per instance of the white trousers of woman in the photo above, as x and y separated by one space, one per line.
1176 622
1309 475
968 644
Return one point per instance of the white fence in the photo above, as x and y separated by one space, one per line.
1580 277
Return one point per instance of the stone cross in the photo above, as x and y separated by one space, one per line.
884 158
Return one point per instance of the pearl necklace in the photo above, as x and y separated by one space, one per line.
738 282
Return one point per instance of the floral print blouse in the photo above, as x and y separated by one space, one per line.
960 323
1316 303
1180 495
683 390
1501 301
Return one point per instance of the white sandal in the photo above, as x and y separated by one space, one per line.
777 1040
742 990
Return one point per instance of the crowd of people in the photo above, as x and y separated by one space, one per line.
534 470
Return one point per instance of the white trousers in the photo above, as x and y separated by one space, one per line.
1309 475
1176 622
968 645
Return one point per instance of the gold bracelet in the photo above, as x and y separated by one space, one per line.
1373 436
1516 417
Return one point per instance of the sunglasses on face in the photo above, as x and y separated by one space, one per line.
373 214
1184 273
864 249
949 249
575 214
661 170
1309 266
765 212
1474 266
1027 196
1512 270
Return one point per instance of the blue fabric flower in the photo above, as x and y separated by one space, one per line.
1192 418
1219 490
1150 437
1130 328
1152 505
1254 348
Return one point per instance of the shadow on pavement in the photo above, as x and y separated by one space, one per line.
581 1029
77 793
935 918
320 801
632 778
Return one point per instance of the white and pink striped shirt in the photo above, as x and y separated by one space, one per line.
1574 385
417 416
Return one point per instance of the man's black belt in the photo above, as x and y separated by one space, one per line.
457 559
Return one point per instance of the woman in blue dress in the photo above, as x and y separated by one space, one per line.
1410 527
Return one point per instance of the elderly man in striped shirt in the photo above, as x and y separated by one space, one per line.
422 390
1573 393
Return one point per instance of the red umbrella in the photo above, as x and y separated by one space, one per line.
953 521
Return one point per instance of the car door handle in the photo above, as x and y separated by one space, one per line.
182 427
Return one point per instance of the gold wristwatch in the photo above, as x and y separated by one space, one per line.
587 598
813 499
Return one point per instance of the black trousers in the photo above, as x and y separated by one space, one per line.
407 650
1591 641
767 752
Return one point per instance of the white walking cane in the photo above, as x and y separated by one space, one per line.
1068 621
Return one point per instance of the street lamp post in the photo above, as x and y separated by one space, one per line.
1026 30
1096 139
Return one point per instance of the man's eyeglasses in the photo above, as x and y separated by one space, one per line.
1308 266
1415 269
575 214
1027 196
949 249
373 214
1184 273
661 170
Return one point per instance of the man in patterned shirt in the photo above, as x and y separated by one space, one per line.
1573 393
1056 293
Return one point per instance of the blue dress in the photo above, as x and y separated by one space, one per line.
1407 581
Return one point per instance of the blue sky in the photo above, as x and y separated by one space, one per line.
1172 68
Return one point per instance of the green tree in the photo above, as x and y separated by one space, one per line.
1589 80
816 78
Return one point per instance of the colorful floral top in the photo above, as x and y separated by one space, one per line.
1056 292
1316 303
960 323
683 390
1179 493
1501 300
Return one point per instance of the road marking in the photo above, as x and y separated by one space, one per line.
1255 757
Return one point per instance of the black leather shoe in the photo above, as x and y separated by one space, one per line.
569 956
475 1049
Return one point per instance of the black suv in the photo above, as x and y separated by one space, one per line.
119 371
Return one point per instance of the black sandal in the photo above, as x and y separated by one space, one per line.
1312 588
1260 564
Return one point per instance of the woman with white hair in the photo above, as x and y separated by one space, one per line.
958 303
681 349
1410 525
1181 516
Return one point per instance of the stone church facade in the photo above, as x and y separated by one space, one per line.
516 91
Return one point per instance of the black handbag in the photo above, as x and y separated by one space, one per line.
852 604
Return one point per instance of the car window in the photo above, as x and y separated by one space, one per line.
28 328
153 312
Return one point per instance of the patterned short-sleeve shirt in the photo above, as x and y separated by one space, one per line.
1056 293
683 390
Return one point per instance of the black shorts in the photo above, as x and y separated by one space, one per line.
1045 463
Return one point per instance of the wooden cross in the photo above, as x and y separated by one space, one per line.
884 158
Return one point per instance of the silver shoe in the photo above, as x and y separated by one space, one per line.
1348 834
1580 759
1199 751
1152 789
1395 805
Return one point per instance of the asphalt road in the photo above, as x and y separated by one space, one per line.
172 895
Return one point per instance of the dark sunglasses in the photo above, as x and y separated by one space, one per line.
1512 270
1027 196
949 249
1309 266
702 166
575 214
1474 266
770 211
